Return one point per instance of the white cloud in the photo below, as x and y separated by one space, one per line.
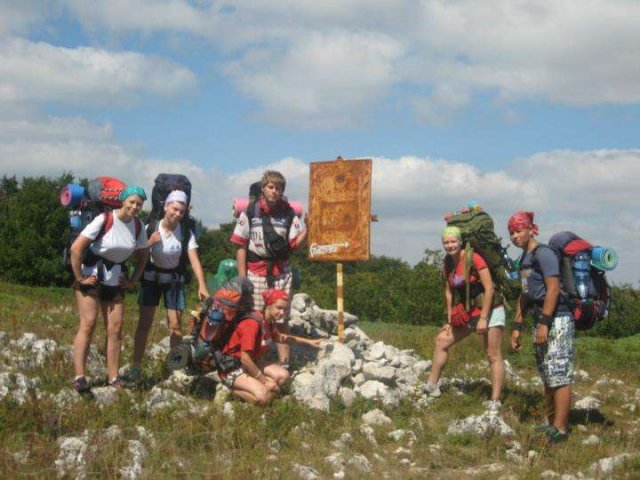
20 16
568 190
299 60
40 72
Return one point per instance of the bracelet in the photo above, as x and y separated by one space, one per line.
258 375
518 326
546 320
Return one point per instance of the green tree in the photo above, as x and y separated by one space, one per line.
33 232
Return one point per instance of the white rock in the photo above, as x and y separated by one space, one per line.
367 431
360 462
422 366
376 351
376 417
373 371
607 465
482 425
375 390
133 470
591 440
71 461
336 460
347 395
160 398
588 403
305 472
398 435
104 396
228 411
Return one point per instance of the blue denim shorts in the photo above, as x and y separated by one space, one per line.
174 295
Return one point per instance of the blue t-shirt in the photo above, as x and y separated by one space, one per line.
534 269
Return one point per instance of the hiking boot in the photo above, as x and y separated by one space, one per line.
492 405
135 374
81 385
556 436
432 390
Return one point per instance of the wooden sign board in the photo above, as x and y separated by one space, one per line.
339 210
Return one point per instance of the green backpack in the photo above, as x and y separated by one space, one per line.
478 235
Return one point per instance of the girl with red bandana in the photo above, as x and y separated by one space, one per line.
256 381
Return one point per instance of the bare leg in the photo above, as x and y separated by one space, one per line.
113 313
88 314
549 404
447 337
493 346
251 390
277 374
142 332
174 322
562 404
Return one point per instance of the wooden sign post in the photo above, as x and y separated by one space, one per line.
339 217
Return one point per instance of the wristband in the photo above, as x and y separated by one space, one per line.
258 375
546 320
517 326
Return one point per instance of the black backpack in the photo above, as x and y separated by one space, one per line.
164 184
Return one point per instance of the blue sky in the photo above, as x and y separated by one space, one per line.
529 105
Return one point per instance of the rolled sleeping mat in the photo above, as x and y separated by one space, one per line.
240 205
71 195
604 258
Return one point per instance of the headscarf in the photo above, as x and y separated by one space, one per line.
132 190
522 220
177 196
272 295
228 298
452 231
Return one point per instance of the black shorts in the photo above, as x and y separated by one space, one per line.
104 293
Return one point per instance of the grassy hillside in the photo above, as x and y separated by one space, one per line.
199 441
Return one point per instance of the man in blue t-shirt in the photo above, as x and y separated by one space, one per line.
554 332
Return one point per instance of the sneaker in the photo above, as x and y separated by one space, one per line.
492 405
432 390
120 383
541 427
81 385
556 436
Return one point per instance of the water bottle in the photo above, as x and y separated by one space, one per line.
75 222
509 265
581 267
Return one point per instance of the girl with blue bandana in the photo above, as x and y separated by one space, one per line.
97 258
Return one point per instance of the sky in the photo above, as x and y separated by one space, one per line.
513 104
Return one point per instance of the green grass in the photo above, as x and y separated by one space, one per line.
210 445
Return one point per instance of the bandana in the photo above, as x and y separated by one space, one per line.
177 196
522 220
452 231
228 298
280 206
272 295
132 190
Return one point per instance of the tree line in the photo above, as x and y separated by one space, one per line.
34 228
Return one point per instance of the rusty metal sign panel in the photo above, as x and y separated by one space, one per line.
340 210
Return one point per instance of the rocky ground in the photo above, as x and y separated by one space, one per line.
338 372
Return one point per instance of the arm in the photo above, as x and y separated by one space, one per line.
487 303
552 285
241 261
448 299
78 248
196 266
285 338
518 322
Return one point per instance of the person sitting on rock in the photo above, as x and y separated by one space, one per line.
487 320
256 381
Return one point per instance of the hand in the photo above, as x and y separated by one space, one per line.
515 341
314 343
271 384
91 280
154 238
203 293
542 335
482 326
126 283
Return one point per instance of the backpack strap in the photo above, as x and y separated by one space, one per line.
468 263
106 225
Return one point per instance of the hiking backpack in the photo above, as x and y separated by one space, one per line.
585 286
478 235
164 184
101 196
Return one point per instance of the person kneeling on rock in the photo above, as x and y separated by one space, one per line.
256 381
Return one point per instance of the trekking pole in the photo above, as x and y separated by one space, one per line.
340 300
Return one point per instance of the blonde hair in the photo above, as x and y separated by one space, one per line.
274 177
453 232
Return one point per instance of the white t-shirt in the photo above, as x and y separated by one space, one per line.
166 254
116 245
